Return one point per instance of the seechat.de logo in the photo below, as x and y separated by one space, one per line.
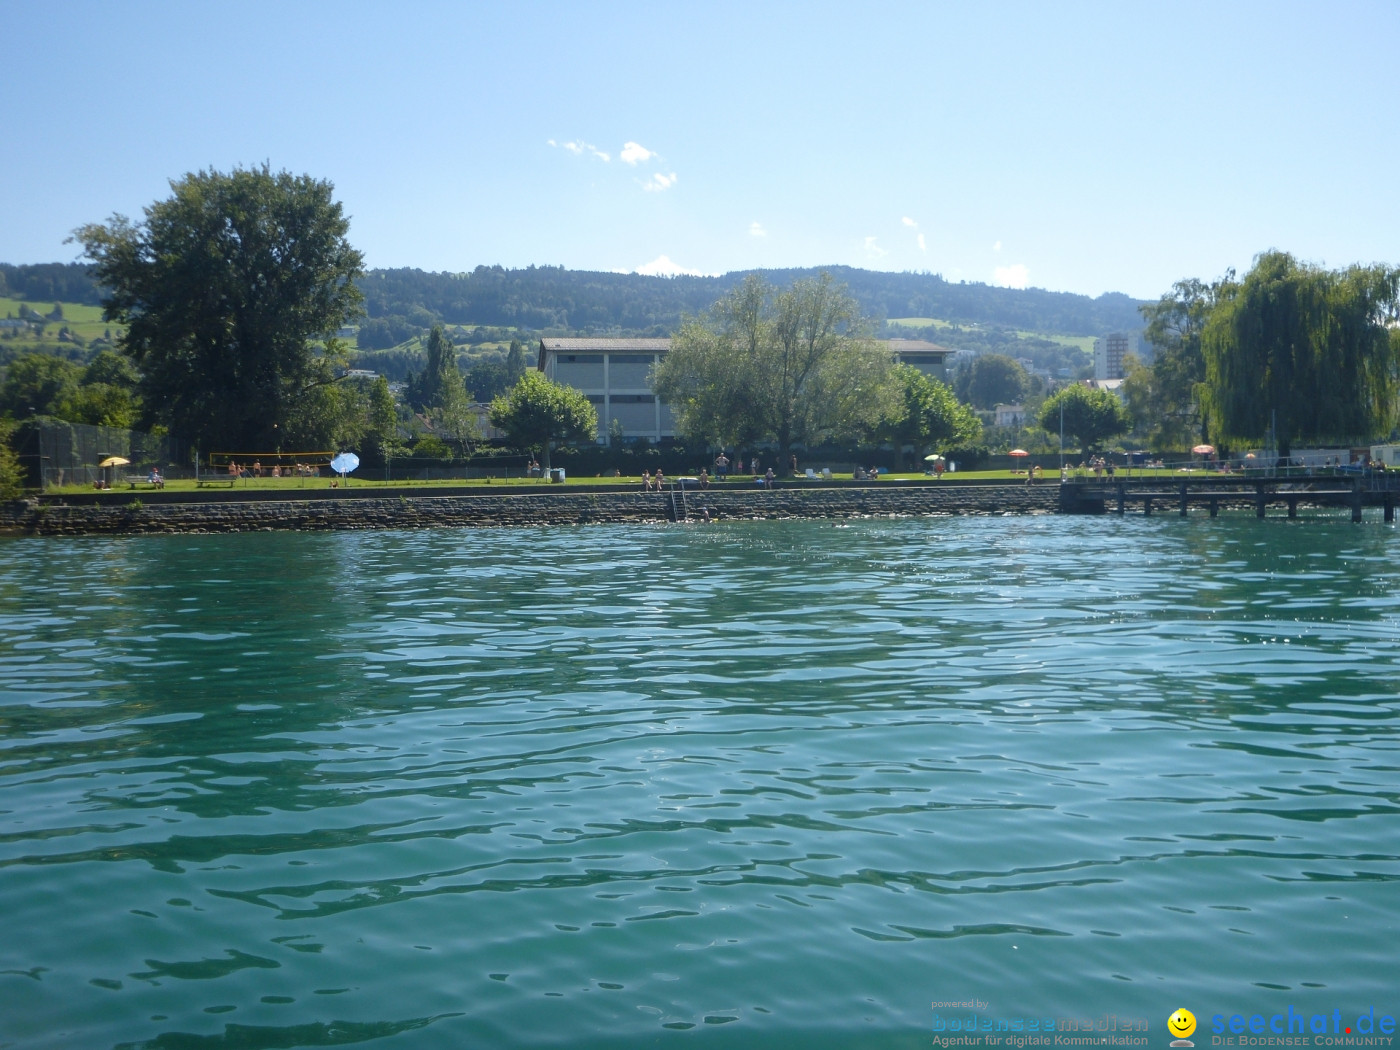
1181 1024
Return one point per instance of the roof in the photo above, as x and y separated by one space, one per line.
915 346
603 346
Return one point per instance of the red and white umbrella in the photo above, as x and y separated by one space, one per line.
1204 450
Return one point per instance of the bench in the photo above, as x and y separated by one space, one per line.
132 480
209 481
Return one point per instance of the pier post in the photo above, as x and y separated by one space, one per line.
1122 499
1214 506
1147 506
1259 503
1389 507
1183 499
1292 506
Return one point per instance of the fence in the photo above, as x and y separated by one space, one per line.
54 453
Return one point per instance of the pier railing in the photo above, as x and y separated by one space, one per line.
1288 486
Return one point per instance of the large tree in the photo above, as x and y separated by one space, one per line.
38 384
790 366
1303 353
1167 397
536 414
989 380
440 373
1090 416
232 290
928 416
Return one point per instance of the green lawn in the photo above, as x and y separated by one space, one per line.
1083 342
918 322
252 486
85 322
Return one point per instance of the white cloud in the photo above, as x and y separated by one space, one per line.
659 182
996 247
922 246
1011 276
756 230
909 222
873 250
578 148
662 266
635 153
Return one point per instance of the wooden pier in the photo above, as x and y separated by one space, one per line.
1211 492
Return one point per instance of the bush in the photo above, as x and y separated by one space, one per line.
431 447
11 473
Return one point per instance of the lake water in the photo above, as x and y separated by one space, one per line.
782 784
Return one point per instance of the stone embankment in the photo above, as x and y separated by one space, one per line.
151 514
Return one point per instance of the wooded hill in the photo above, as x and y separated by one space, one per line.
549 298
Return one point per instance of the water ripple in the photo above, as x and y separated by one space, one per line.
787 781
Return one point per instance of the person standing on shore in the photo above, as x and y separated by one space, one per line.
721 465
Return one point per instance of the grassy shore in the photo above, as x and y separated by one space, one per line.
253 486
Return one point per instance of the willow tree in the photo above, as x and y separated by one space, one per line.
1303 353
791 366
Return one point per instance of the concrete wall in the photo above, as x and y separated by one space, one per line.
557 507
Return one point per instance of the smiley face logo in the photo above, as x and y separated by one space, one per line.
1182 1023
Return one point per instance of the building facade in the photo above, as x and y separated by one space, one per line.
929 358
1109 352
615 376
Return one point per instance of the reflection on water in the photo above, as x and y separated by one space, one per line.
779 783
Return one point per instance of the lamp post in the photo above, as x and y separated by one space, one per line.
1062 437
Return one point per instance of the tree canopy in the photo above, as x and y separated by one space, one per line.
232 290
1303 353
1168 396
928 416
537 414
1091 416
791 366
989 380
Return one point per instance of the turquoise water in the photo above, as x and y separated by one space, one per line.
777 784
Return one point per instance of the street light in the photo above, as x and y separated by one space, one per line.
1062 437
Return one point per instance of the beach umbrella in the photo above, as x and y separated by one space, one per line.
344 463
1018 452
110 462
1204 450
935 458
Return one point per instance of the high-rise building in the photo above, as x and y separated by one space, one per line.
1109 352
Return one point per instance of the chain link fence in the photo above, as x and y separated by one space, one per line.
54 453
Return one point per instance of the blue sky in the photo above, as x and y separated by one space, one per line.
1070 146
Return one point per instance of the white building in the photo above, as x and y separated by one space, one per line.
1109 352
614 375
1010 415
